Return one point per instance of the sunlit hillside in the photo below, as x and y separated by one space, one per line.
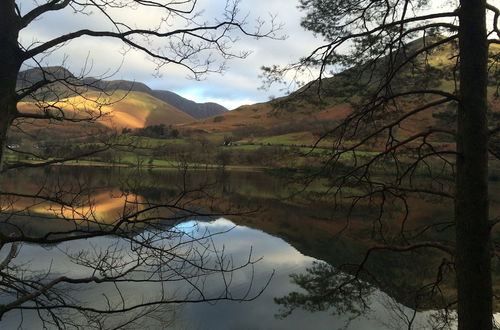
119 110
311 110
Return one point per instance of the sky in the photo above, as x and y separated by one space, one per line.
238 85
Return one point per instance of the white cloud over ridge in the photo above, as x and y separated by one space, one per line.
238 85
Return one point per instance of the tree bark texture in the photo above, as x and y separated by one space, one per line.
11 60
473 263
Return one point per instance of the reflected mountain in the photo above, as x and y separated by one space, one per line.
269 220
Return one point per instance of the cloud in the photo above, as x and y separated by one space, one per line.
238 85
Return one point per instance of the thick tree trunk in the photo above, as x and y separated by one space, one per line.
10 59
4 127
473 264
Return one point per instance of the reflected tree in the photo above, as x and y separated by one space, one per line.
327 288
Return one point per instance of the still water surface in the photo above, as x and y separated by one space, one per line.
287 236
278 257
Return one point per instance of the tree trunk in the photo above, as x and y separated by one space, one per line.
4 127
473 263
11 60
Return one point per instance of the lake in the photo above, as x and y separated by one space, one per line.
219 219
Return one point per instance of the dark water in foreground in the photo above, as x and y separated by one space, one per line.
287 236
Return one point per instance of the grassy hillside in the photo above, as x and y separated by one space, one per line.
300 117
269 115
119 110
196 110
67 85
297 119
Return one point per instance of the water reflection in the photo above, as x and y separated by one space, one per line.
289 234
277 256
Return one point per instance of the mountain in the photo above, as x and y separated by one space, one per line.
303 115
64 83
31 76
120 110
195 110
67 85
112 85
124 107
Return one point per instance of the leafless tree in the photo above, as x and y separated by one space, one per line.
199 46
143 246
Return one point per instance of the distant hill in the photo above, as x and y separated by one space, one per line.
112 85
31 76
68 85
310 111
129 105
195 110
64 84
120 110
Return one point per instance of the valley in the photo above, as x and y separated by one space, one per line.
332 174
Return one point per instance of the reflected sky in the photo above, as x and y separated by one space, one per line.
281 257
305 230
277 256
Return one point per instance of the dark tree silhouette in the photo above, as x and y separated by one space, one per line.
380 54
